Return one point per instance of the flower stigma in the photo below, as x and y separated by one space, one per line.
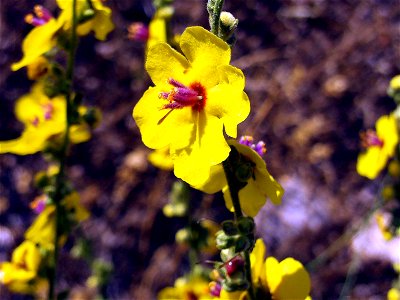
41 17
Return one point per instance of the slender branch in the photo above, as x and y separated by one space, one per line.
59 184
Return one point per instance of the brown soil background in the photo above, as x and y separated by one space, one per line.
316 74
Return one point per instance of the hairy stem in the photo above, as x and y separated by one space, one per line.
60 178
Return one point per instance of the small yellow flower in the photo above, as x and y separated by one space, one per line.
18 275
260 186
382 221
395 83
42 231
195 97
100 22
43 118
40 39
161 159
157 31
380 146
194 287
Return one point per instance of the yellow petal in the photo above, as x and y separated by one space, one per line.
257 262
163 63
288 279
162 127
27 255
386 130
209 148
205 52
38 41
371 162
230 86
268 186
215 182
157 32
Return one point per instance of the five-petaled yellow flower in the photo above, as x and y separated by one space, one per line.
19 274
44 118
381 146
194 99
259 186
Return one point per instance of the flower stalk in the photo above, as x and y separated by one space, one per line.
234 186
214 8
60 178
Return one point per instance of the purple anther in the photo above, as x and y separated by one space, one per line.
48 111
176 83
138 32
215 289
43 13
247 140
260 148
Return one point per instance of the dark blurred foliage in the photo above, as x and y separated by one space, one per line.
316 73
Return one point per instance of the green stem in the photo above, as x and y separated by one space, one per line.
59 184
214 8
234 192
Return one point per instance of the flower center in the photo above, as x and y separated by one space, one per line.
47 111
260 147
181 96
370 139
40 17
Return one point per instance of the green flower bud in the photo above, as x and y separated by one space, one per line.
229 227
246 225
224 241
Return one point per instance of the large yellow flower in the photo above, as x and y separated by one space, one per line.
381 146
43 118
285 280
100 22
195 97
259 186
18 275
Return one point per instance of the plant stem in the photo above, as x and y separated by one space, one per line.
214 8
234 188
59 184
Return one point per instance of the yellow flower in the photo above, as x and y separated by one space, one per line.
42 231
381 146
78 213
260 186
393 294
100 22
161 159
19 274
195 96
382 221
40 39
285 280
194 287
43 118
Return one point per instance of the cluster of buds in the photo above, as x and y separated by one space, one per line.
233 240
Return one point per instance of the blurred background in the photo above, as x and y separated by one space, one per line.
316 75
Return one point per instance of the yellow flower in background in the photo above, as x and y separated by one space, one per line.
393 294
157 31
259 187
395 83
194 99
194 287
39 40
98 17
73 206
161 159
42 230
380 145
383 223
18 275
43 119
